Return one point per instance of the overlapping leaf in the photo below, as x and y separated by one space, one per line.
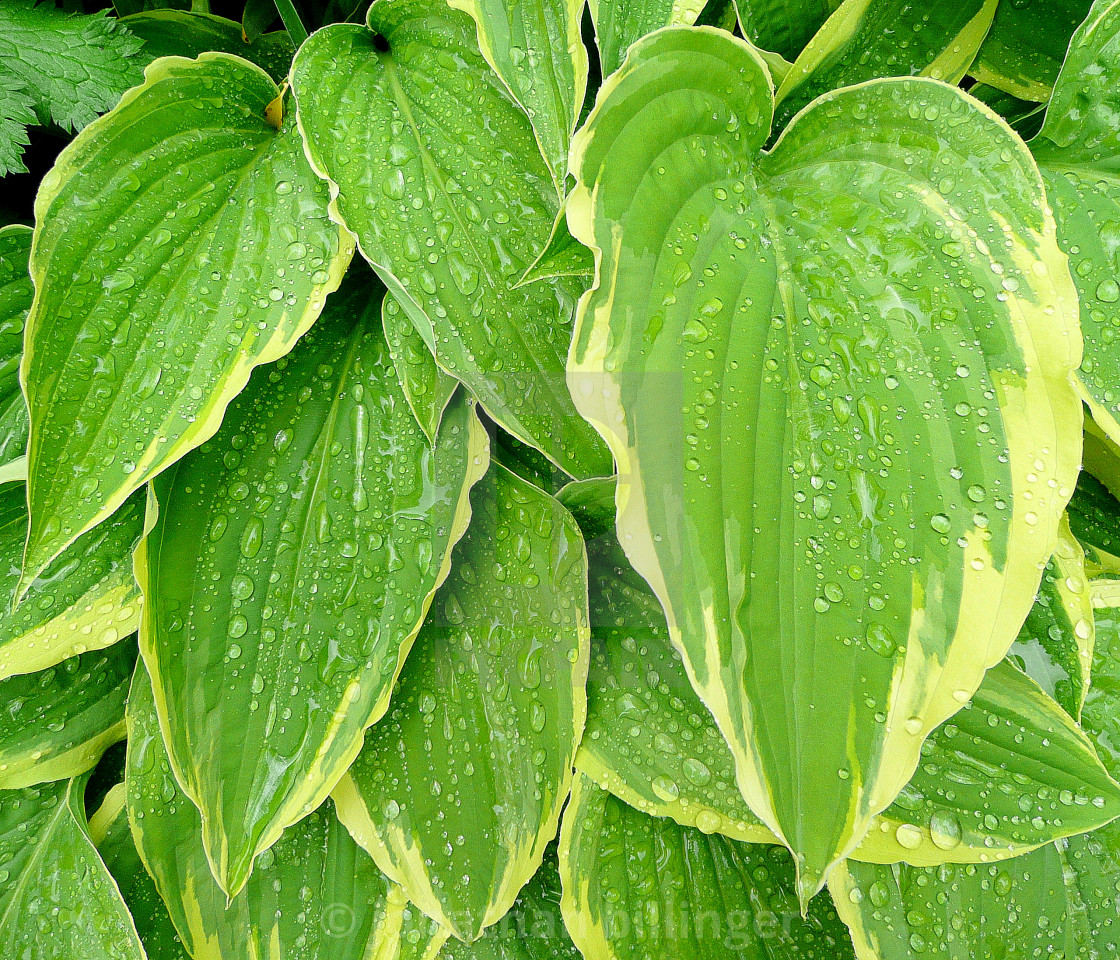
619 23
15 301
85 600
783 26
989 784
437 172
181 241
862 41
836 380
56 723
638 887
293 559
315 894
466 775
57 900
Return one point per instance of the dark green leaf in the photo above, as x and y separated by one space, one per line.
15 301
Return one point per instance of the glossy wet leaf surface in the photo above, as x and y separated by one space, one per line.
85 600
839 568
783 26
56 723
451 202
293 559
992 782
15 300
619 23
466 774
182 240
638 887
57 900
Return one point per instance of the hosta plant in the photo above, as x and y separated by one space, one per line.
522 479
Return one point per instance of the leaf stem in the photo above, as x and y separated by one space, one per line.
292 23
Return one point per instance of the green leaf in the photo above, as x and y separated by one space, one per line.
536 48
427 388
478 213
73 66
643 888
532 930
591 502
84 600
650 741
292 563
861 41
1024 116
804 346
528 463
1024 50
783 26
466 775
314 894
619 23
57 900
562 256
257 16
1077 154
17 113
1055 643
1059 901
109 830
1094 519
181 241
57 723
15 301
182 33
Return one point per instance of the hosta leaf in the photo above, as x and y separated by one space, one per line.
1024 116
56 723
181 241
764 331
642 888
618 23
783 26
450 200
1077 151
536 48
183 33
532 930
562 256
1055 643
591 502
466 774
1059 901
1094 519
84 600
57 900
109 830
1026 45
293 560
650 741
860 42
15 301
528 463
427 388
74 66
314 894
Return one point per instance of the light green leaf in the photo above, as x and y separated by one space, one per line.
85 600
1026 45
651 742
808 342
427 388
57 900
450 200
181 241
783 26
644 888
1077 152
292 563
466 775
532 930
74 66
183 33
56 723
314 894
619 23
1055 643
862 41
15 301
109 830
536 48
1059 901
562 256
